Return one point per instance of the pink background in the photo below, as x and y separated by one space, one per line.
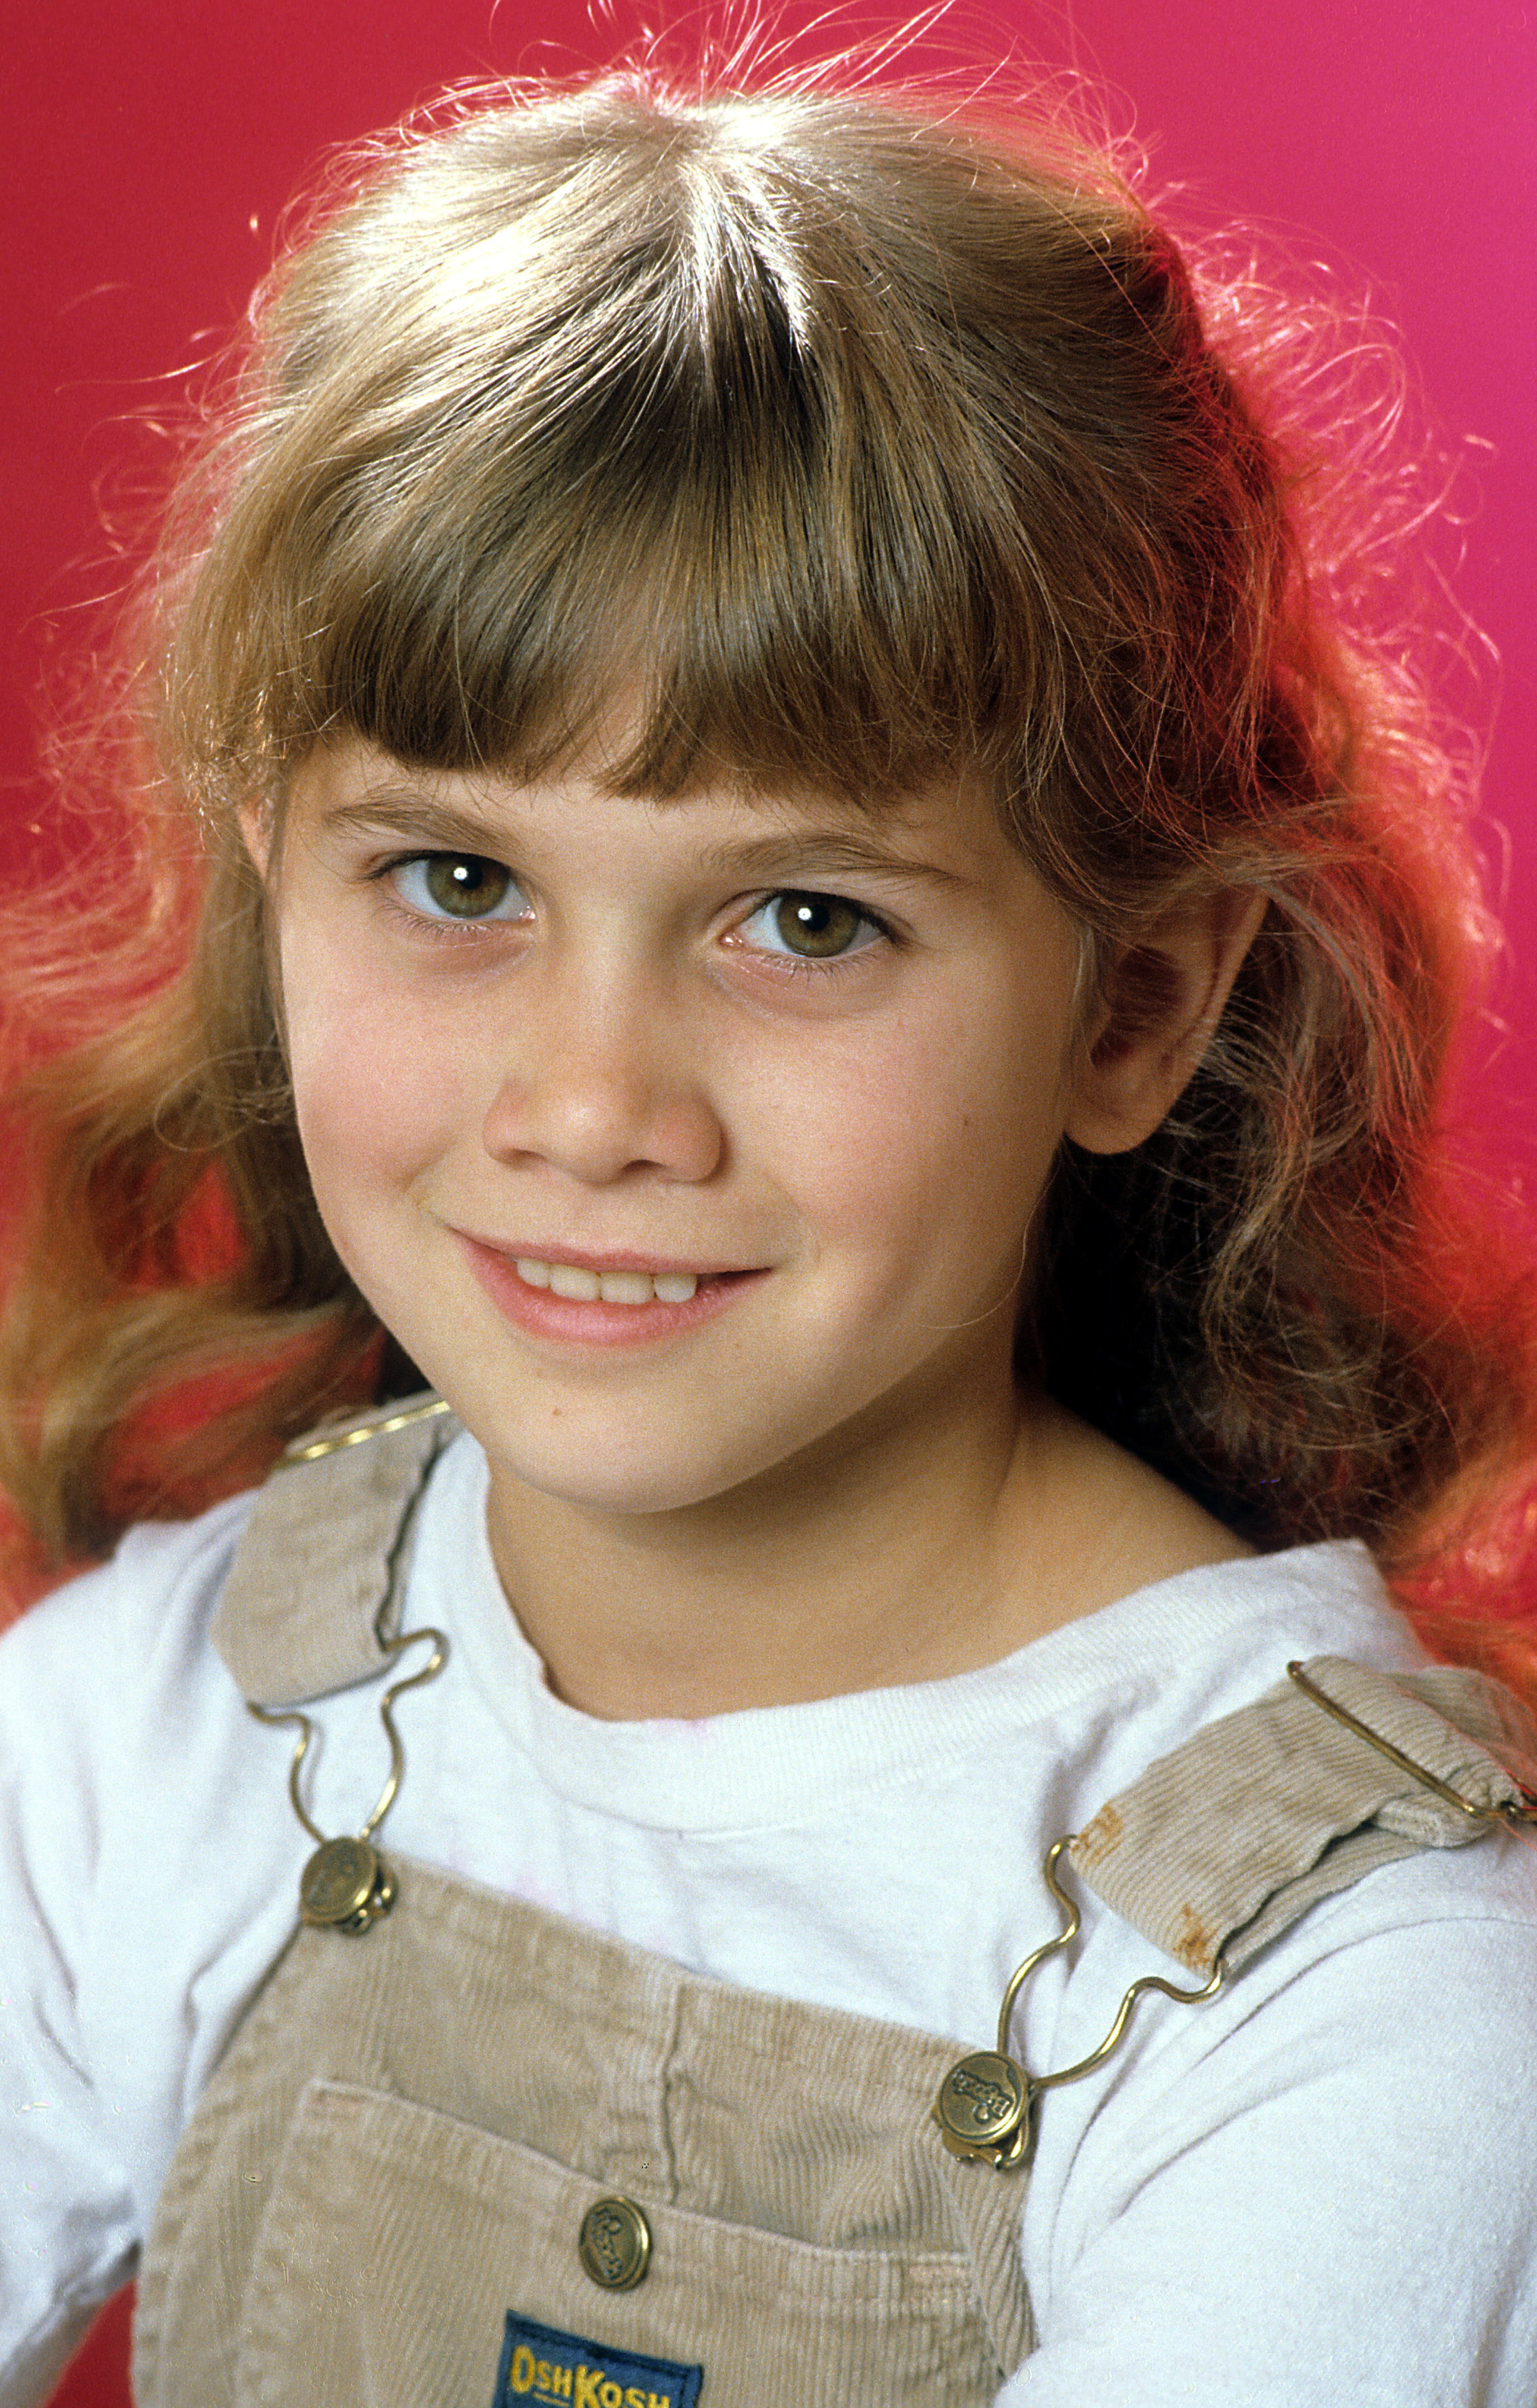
151 143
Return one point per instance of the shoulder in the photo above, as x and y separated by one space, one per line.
142 1618
128 1758
1342 2148
1119 1685
148 1868
133 1620
114 1712
105 1685
1328 2143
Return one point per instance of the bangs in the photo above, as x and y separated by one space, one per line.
604 397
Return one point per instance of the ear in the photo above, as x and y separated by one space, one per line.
1160 1000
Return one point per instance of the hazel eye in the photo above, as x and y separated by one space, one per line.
810 928
459 886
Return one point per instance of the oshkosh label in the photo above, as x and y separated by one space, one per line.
558 2370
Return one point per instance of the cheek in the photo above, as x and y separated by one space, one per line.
378 1085
933 1150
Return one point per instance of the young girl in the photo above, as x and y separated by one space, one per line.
803 890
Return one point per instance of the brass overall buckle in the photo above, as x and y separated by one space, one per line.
987 2102
346 1885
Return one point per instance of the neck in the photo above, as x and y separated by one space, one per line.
918 1547
854 1565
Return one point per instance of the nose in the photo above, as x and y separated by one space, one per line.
599 1083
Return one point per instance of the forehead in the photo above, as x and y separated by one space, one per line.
723 824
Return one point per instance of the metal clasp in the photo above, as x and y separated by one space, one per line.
1521 1808
345 1885
987 2102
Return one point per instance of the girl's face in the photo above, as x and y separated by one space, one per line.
673 1141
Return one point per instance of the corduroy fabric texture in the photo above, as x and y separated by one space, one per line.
345 1517
411 2122
1228 1840
409 2127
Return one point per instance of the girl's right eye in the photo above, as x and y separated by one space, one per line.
458 887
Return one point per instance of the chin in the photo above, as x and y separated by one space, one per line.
623 1487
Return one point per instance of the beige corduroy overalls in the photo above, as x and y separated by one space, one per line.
472 2154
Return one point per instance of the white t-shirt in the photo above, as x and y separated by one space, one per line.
1317 2191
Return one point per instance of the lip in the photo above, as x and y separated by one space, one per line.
542 1313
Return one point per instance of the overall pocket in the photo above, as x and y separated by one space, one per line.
396 2240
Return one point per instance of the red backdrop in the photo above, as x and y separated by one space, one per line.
151 143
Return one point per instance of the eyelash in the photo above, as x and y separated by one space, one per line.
390 873
785 964
789 962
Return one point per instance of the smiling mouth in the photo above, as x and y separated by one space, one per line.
596 1303
582 1286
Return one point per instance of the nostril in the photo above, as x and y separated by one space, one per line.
596 1126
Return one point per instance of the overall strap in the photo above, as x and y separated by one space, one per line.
1213 1852
1223 1843
313 1592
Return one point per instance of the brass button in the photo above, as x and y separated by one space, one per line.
614 2243
983 2108
345 1887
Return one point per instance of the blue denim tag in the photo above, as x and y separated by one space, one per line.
560 2370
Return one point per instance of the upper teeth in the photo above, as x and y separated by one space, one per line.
610 1287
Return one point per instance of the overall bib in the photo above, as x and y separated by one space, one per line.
473 2153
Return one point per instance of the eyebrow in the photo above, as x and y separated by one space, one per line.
821 852
416 818
424 820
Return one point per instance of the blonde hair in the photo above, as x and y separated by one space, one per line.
866 436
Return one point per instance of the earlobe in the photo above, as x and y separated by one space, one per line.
1160 1002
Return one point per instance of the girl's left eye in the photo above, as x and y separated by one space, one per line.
458 887
808 927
